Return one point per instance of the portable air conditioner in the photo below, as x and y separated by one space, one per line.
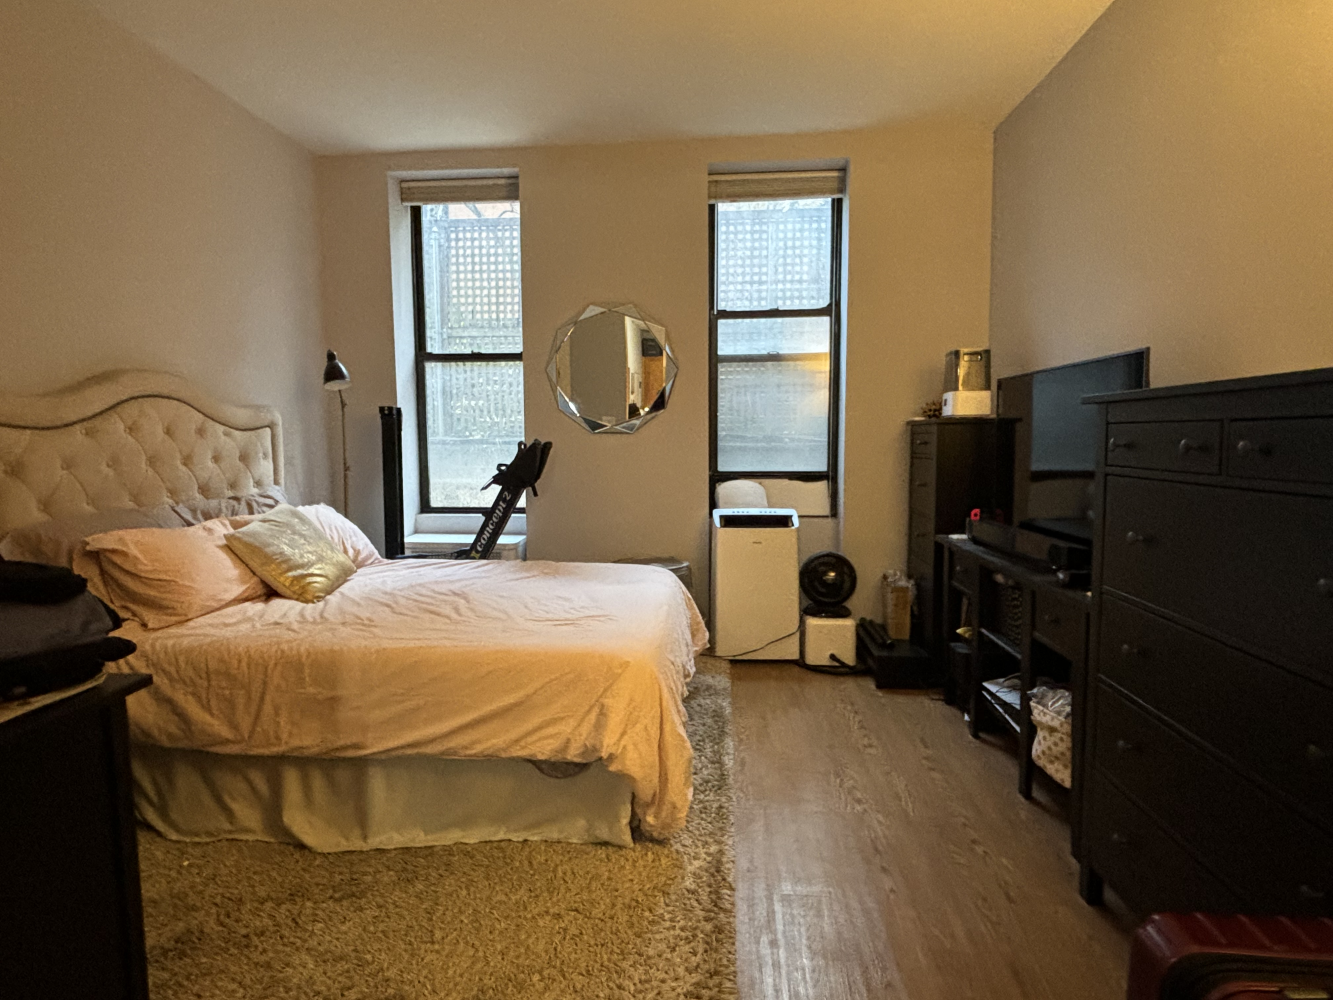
755 593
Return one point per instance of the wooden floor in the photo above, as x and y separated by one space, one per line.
883 853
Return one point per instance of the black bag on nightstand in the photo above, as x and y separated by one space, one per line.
53 633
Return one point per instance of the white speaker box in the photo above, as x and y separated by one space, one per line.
824 638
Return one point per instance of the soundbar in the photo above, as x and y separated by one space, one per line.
1069 560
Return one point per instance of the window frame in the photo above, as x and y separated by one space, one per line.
834 313
425 357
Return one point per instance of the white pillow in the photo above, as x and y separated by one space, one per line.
344 534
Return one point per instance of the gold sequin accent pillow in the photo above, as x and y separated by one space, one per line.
286 550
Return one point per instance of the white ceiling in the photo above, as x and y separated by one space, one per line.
360 75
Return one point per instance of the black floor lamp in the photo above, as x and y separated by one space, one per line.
336 379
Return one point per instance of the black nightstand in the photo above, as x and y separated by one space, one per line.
71 918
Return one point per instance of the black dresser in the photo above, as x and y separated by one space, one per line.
71 922
1208 777
958 464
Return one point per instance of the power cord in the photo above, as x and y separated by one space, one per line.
843 668
747 652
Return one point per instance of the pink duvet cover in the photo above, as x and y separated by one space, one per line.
541 660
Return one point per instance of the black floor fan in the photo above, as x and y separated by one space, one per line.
828 579
513 478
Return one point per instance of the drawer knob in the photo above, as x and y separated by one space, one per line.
1135 538
1124 746
1325 587
923 482
1122 443
1188 445
1312 892
1120 838
1128 650
1247 447
1315 754
1051 619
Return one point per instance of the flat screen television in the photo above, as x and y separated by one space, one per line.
1056 438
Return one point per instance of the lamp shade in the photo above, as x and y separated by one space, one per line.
335 373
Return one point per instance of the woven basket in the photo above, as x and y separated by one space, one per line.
1052 750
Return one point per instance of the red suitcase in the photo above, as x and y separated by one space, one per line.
1200 956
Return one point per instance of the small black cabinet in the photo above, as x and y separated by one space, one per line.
958 464
71 920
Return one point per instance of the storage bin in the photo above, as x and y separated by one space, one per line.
1053 748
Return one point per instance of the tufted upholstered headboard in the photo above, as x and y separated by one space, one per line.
129 439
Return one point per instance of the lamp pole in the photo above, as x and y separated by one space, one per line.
337 379
347 469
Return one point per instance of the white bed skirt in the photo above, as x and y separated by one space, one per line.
361 803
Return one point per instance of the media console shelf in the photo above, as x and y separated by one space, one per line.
1208 783
1022 622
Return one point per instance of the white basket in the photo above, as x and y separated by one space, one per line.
1052 750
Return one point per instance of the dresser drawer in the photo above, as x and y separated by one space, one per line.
1278 861
1258 566
1179 446
920 544
1286 450
1269 721
1148 869
1060 621
923 442
964 575
922 472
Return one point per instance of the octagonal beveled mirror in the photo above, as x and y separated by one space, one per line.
611 369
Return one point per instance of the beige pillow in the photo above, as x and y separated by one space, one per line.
344 534
199 511
163 576
288 552
54 542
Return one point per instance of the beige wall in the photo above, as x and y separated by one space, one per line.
1170 184
146 221
628 222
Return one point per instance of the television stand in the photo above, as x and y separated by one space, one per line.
1023 621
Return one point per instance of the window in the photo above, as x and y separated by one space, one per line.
467 297
775 335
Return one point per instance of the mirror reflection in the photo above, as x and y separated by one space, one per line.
611 370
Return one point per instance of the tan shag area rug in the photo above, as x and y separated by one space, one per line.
238 920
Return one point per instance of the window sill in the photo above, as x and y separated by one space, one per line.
465 524
441 544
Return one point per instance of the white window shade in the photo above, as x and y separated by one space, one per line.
468 189
768 185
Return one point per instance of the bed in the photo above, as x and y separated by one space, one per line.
424 702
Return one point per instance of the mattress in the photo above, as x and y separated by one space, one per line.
470 660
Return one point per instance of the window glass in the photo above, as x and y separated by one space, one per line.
773 415
773 254
474 420
780 335
472 307
471 271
